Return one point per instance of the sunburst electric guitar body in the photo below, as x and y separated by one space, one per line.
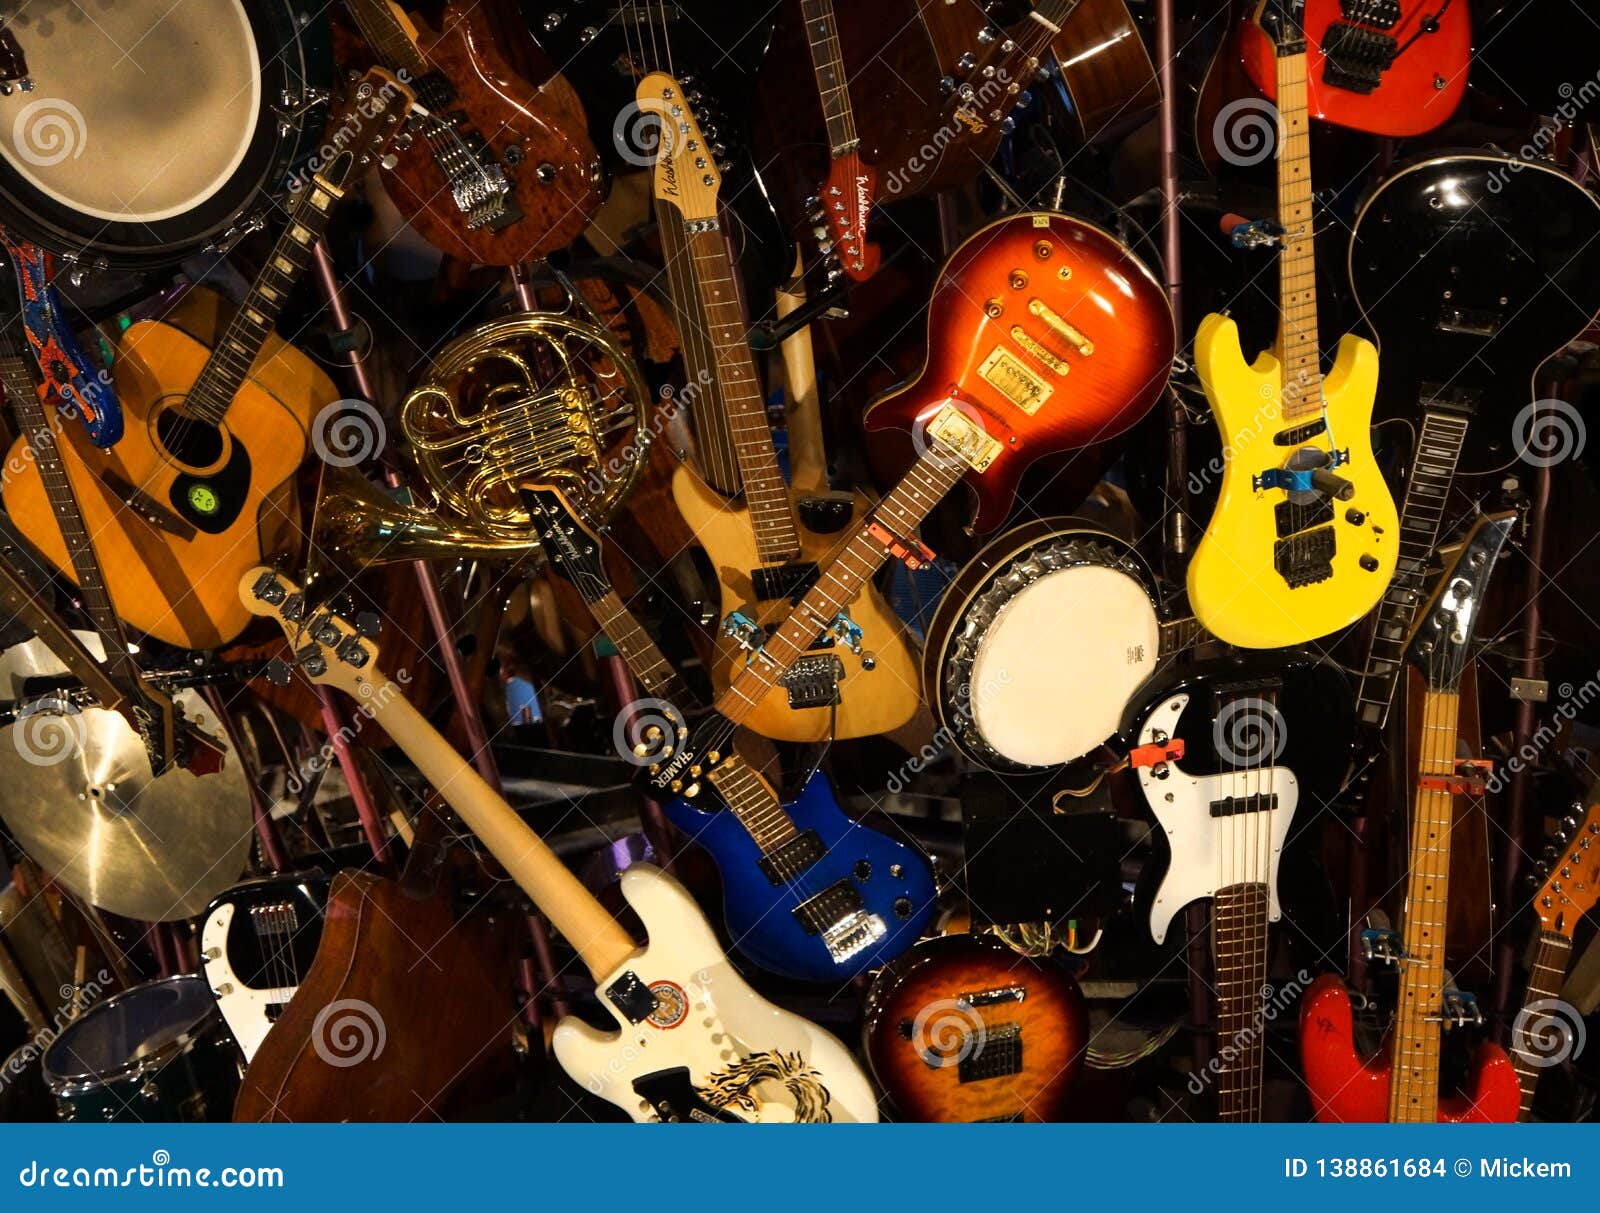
1305 536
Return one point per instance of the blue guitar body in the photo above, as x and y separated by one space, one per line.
863 879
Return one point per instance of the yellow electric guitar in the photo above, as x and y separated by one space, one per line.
201 485
1305 536
767 548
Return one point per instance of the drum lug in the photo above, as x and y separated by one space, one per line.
292 109
224 244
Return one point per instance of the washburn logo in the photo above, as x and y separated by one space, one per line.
669 176
863 201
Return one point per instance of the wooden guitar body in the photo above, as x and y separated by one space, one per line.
962 1029
1234 587
1347 1088
1034 389
871 701
406 1014
538 135
1415 93
222 501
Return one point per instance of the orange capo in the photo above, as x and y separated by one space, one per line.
1467 779
909 552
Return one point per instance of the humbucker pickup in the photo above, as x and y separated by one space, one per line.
774 581
1301 433
840 918
791 860
1305 559
998 1056
1292 517
1231 806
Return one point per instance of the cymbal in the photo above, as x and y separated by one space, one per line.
81 800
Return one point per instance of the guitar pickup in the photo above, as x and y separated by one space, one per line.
1232 806
792 580
839 917
1474 322
792 859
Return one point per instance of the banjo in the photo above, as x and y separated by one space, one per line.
1041 641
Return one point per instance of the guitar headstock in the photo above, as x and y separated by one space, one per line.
1441 638
374 108
330 649
1285 23
686 172
841 211
1572 881
568 543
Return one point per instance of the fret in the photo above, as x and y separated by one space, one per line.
1545 978
827 60
381 27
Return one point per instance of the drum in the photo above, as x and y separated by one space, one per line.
1039 643
157 1052
150 133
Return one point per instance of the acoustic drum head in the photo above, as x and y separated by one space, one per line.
1039 644
138 113
134 1031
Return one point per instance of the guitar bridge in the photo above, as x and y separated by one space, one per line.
1305 559
840 918
813 682
1356 58
998 1055
792 580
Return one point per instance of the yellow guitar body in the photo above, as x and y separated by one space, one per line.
170 578
1235 589
870 701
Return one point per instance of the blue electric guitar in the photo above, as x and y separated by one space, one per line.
70 382
807 891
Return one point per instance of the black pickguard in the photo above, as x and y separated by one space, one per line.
212 503
249 954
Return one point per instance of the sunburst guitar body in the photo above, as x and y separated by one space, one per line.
871 701
179 508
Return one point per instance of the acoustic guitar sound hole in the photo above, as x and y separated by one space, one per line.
194 443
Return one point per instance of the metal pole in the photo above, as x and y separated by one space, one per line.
1177 529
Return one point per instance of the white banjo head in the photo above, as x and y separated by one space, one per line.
130 120
1048 650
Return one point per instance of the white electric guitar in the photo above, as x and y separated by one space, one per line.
1226 832
693 1042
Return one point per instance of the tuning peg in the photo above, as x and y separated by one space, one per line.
368 623
1569 826
279 672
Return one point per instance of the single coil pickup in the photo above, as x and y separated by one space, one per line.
1233 806
1449 398
1305 559
774 581
836 904
792 859
997 1055
1384 14
1292 518
1301 433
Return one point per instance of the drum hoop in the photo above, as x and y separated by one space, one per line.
184 1042
947 634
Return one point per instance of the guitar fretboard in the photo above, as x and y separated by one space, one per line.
1239 947
766 493
1297 271
638 650
380 25
1414 1085
755 804
1545 978
1433 469
827 59
842 577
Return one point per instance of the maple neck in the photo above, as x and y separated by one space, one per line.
766 493
1239 947
1297 270
638 650
1545 978
827 60
388 36
42 438
842 578
714 451
1432 471
229 365
1414 1086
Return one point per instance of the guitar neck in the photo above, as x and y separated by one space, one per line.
765 491
827 60
1545 979
1239 948
1298 347
844 577
1421 516
387 34
637 648
597 937
229 365
1414 1086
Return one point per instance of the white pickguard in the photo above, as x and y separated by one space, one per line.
245 1010
1212 852
723 1021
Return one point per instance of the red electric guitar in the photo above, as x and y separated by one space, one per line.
1402 1085
1388 67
